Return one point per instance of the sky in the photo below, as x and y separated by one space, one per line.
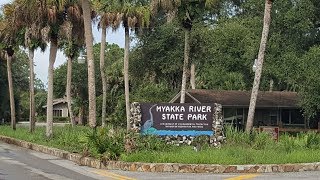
41 59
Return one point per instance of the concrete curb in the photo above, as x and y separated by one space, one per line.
163 167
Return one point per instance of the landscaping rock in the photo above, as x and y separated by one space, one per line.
145 168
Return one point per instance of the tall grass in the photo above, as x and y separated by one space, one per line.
65 138
240 147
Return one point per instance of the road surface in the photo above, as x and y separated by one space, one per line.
22 164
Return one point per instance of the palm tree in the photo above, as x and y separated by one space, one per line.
109 17
102 70
47 15
91 79
55 18
75 40
32 47
8 38
29 19
9 55
186 13
71 51
256 82
135 16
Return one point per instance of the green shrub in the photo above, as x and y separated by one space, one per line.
287 143
136 142
106 143
118 116
255 140
55 119
262 140
41 118
235 136
61 119
148 143
201 142
70 136
312 140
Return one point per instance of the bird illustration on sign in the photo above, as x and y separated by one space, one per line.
147 126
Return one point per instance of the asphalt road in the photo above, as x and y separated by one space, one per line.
21 164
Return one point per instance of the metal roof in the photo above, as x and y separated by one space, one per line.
241 98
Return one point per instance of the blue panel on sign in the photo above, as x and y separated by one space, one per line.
175 133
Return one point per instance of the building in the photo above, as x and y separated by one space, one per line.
60 107
276 108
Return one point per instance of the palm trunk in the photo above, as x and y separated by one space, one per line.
32 101
256 83
271 85
81 115
126 75
185 65
193 76
12 104
91 72
170 15
52 59
103 76
68 91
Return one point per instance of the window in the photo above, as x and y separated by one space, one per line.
233 116
57 113
296 117
229 115
285 116
273 117
292 116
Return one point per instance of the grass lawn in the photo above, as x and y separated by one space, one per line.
225 156
65 138
240 148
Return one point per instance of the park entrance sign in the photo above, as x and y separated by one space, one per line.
177 119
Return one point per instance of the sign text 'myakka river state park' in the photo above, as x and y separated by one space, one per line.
177 119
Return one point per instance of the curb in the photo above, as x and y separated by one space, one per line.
163 167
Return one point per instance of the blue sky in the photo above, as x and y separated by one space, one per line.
42 58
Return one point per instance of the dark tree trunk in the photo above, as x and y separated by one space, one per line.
11 93
68 91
